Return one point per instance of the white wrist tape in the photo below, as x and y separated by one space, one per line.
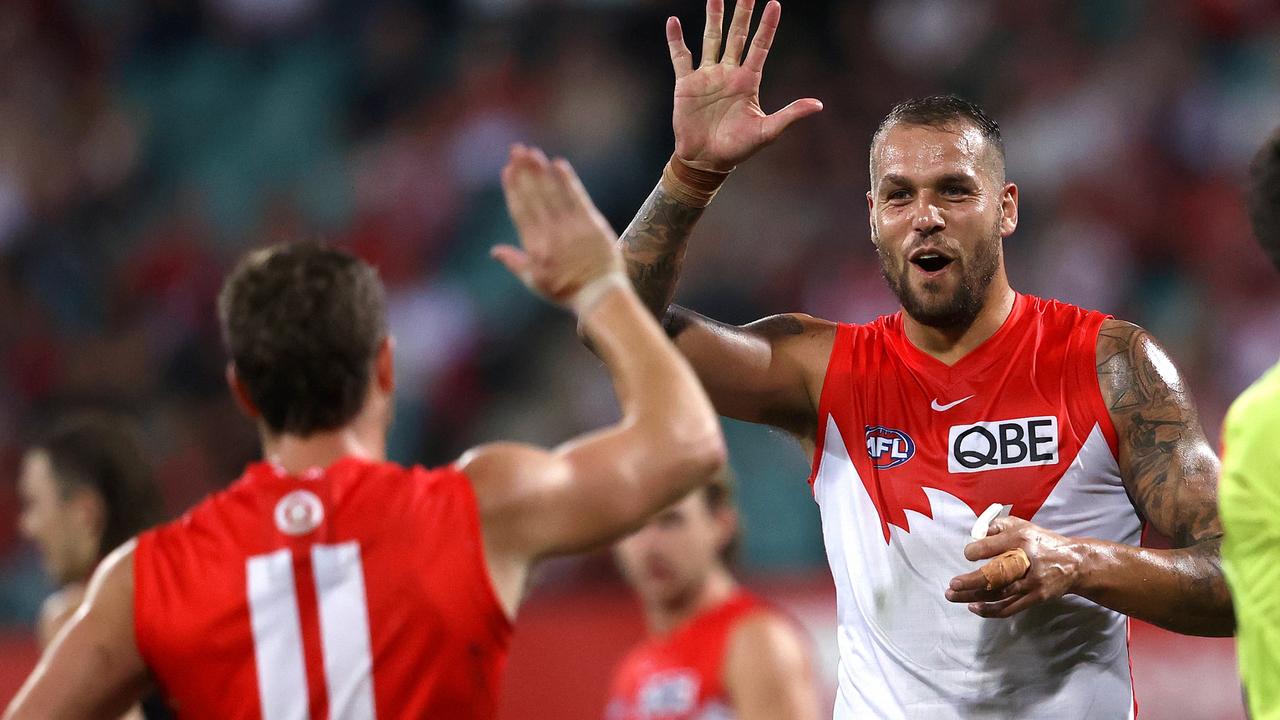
590 295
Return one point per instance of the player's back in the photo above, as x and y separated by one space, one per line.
359 591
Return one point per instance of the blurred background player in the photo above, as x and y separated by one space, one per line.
971 395
715 650
274 597
1251 483
86 487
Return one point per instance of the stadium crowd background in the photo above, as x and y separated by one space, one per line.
145 144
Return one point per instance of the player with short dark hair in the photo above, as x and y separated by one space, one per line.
1251 483
301 328
328 582
714 649
926 423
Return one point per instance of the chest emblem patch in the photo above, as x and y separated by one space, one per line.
888 448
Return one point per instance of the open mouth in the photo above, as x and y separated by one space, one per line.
931 261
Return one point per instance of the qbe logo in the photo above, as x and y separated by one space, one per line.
1022 442
888 447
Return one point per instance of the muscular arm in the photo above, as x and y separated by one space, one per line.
769 371
598 487
654 245
767 672
93 669
1171 474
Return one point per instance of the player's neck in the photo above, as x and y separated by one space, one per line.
296 455
951 344
718 587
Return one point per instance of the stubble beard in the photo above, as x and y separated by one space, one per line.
962 307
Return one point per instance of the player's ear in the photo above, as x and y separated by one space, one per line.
871 216
1008 210
384 365
241 393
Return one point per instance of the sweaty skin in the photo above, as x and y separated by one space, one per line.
944 188
533 502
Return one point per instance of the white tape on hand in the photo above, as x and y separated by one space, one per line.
983 524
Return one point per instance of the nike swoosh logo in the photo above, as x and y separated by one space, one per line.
948 406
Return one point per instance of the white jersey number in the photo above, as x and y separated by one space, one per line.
344 633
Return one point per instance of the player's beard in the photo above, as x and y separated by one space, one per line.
959 310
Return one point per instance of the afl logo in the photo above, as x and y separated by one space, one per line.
299 512
887 447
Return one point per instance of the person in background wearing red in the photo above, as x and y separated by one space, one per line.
715 650
330 583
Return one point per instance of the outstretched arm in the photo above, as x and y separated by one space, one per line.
769 371
598 487
1171 474
92 669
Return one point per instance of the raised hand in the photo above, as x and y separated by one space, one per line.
567 244
717 118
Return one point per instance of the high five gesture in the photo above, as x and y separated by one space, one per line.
717 118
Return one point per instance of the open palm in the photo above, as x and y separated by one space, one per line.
717 118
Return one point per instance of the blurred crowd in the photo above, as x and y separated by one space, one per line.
146 144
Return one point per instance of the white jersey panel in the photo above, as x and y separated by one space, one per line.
907 652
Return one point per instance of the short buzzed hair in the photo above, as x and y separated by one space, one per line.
302 323
941 111
1264 197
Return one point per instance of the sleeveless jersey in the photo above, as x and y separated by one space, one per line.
909 452
359 591
681 676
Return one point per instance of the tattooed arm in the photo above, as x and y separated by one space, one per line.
769 371
1171 474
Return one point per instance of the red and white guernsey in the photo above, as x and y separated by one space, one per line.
909 452
357 592
681 676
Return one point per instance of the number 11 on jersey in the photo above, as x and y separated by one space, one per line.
343 618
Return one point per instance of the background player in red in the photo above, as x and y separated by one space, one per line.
972 395
715 649
328 582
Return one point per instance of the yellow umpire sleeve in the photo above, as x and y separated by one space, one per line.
1250 506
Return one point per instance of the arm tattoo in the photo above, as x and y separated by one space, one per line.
654 244
1167 464
1170 472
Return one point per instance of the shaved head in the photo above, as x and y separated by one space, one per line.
974 128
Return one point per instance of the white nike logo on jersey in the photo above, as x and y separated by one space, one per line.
949 405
